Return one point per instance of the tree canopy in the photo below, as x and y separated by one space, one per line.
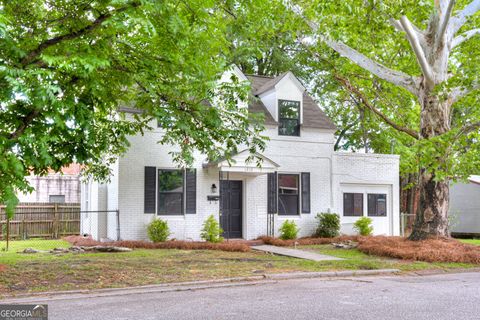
67 66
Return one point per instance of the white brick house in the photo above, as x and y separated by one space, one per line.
301 176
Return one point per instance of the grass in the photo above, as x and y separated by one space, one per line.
471 241
23 273
39 244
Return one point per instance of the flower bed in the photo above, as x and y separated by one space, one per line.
232 246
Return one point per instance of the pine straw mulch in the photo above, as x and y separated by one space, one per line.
231 246
431 250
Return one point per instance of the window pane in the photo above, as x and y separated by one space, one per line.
289 118
289 109
377 205
353 204
287 204
170 181
170 203
170 192
288 198
288 184
60 198
289 127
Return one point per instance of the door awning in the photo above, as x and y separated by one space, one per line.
259 165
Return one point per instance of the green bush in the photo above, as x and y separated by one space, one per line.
158 230
288 230
211 230
363 226
328 225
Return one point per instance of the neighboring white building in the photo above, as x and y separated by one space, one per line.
300 176
464 208
62 187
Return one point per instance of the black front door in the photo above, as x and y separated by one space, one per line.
231 208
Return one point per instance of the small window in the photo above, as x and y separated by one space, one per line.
353 204
288 196
170 192
377 205
56 198
289 118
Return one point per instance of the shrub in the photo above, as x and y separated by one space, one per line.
288 230
211 230
363 226
158 230
328 225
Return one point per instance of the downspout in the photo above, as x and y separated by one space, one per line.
331 182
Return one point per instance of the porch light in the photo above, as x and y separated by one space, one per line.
214 188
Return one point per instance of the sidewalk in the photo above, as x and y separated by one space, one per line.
295 253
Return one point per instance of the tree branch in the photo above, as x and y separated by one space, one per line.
344 82
25 123
417 48
32 55
460 92
341 135
464 37
444 20
461 18
469 128
396 77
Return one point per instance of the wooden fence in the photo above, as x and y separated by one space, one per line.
46 220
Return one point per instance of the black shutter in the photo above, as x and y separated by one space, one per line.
305 192
191 191
272 193
150 189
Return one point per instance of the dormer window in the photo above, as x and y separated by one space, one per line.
289 118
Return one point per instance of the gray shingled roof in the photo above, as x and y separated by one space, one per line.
270 84
313 116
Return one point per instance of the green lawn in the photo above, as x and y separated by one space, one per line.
39 244
471 241
20 273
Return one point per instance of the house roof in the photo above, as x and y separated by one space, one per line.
239 163
474 179
270 83
313 116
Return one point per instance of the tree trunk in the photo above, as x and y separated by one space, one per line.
432 215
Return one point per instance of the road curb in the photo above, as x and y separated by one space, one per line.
193 285
329 274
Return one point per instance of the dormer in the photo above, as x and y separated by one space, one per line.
283 97
287 105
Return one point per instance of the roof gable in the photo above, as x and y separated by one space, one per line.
313 116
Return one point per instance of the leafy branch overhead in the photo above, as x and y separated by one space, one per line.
67 67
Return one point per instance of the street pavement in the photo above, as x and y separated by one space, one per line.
445 296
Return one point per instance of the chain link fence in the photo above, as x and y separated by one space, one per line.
35 223
406 223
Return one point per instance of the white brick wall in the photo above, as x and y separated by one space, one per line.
368 173
52 184
312 152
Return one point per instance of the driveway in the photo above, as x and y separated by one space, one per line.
446 296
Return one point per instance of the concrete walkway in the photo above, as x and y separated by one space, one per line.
295 253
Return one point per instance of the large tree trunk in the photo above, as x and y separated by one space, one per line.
432 214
